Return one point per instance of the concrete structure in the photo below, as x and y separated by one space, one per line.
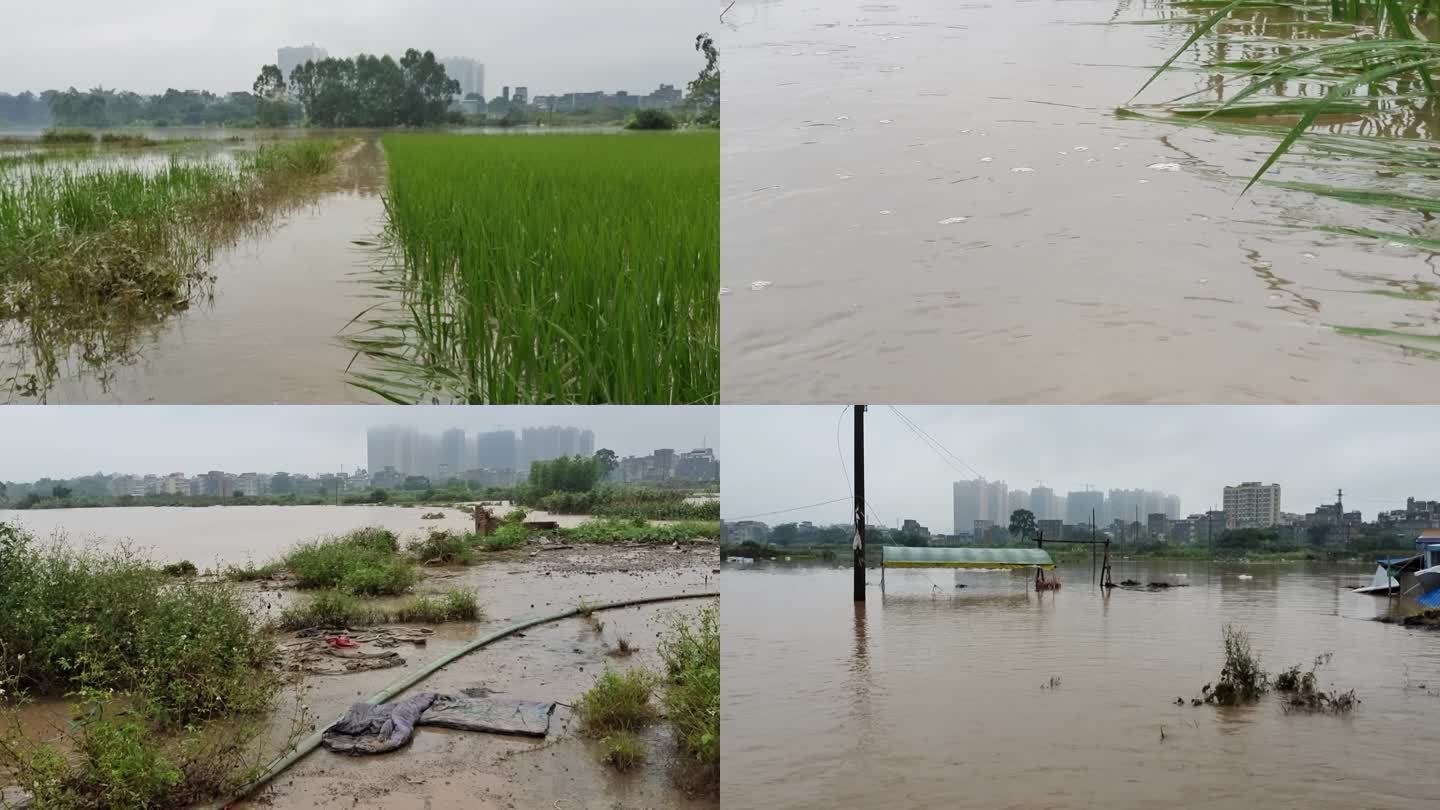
1252 505
287 59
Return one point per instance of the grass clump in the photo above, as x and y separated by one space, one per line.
328 608
129 139
507 536
618 702
251 572
455 605
365 561
623 750
608 531
692 684
444 547
554 269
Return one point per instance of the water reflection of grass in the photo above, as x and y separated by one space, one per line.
1381 77
562 268
92 257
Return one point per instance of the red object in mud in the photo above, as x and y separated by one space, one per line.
341 641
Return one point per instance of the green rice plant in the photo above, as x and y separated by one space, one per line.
618 702
547 269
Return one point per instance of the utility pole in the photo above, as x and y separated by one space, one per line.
1340 516
859 544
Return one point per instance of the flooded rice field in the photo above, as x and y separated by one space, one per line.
904 179
931 695
265 329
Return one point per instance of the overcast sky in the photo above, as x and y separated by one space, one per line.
782 457
219 45
63 442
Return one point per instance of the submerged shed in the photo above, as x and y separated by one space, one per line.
930 557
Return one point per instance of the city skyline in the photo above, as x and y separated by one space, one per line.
46 442
548 45
783 457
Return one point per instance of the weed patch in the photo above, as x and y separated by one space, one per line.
618 702
623 750
692 684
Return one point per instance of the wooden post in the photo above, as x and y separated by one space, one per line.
859 544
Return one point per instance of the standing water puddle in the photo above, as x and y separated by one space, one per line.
926 185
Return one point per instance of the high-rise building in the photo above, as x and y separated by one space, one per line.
545 443
452 454
1019 499
1080 506
497 450
1252 505
468 72
980 500
287 59
1044 504
521 97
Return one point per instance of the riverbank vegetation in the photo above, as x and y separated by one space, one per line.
620 705
339 608
1243 681
146 238
556 269
170 678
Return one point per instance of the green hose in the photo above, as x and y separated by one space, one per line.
313 741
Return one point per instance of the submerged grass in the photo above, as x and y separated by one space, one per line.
91 256
548 269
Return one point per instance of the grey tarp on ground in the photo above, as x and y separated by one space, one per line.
375 729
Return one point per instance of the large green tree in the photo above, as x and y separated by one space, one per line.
1023 525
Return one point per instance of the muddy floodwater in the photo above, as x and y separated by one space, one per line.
936 696
214 537
270 330
936 201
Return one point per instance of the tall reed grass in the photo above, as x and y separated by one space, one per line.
548 269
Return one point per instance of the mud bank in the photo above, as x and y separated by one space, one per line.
558 662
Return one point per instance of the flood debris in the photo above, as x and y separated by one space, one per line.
1427 619
340 652
1300 692
375 729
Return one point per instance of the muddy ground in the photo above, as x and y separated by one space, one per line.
552 662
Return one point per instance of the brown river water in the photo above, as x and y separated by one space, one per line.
933 696
935 201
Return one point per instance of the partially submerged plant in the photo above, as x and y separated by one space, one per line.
1242 680
617 702
623 750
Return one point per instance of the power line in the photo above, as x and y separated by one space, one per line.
791 509
934 444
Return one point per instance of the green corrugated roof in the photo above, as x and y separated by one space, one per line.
965 557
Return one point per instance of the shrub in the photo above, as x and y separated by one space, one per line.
617 702
111 621
252 572
445 547
1241 679
651 119
65 136
692 683
364 561
184 568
